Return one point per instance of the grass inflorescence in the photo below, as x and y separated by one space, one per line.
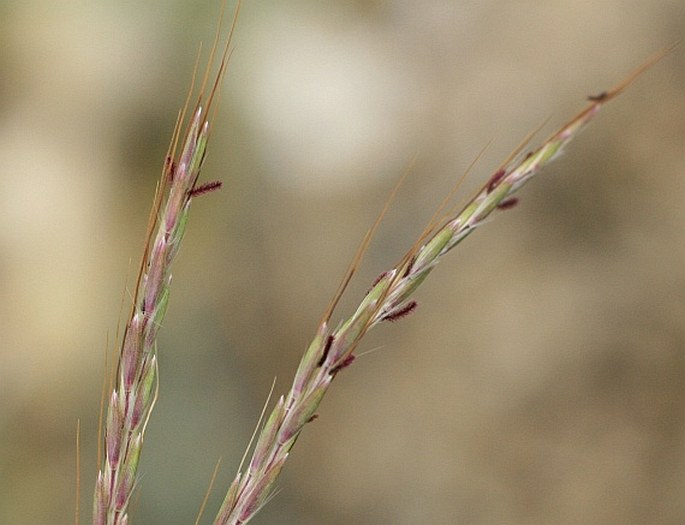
389 299
334 346
134 389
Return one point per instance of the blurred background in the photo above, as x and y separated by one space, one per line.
542 378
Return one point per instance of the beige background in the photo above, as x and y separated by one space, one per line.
541 380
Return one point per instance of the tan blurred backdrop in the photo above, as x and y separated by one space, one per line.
541 380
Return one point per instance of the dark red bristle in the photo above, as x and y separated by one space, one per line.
508 204
326 349
378 279
400 312
343 364
410 265
599 97
205 188
495 179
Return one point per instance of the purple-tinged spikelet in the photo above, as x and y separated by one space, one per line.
101 498
169 169
131 353
113 440
137 411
